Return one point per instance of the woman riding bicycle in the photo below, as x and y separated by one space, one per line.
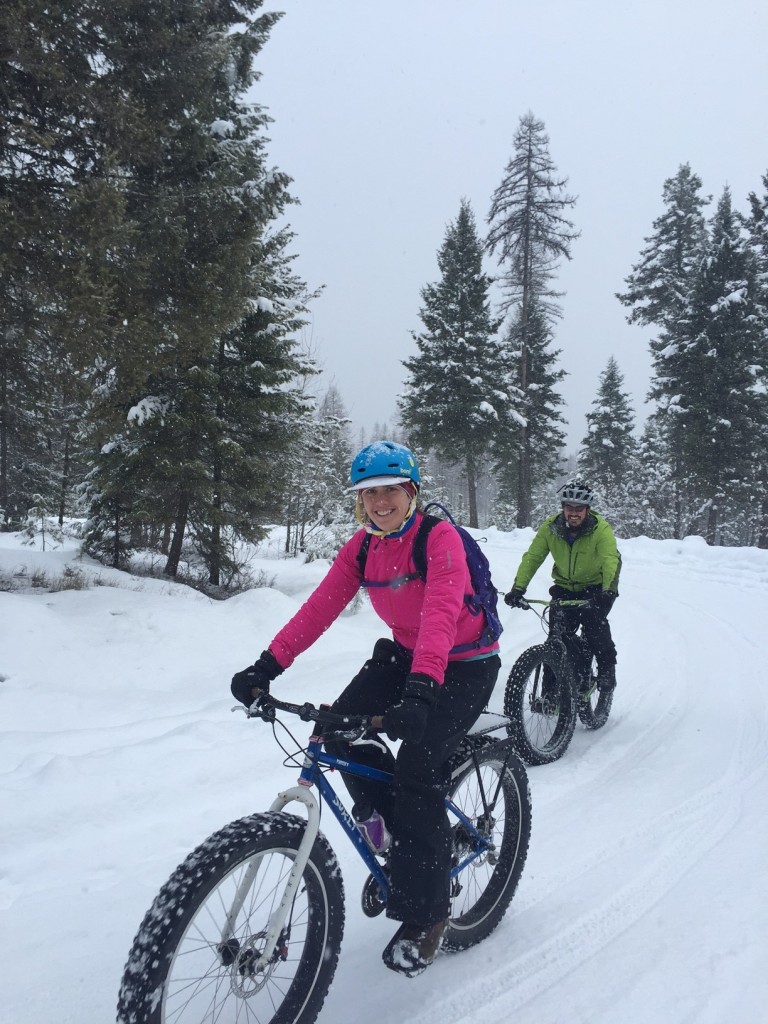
428 693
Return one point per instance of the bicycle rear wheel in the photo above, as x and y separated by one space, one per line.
542 717
594 706
179 970
482 892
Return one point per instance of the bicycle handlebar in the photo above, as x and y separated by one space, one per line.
265 707
556 602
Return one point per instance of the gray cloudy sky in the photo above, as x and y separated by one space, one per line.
387 114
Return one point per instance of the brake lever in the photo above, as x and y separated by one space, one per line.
370 741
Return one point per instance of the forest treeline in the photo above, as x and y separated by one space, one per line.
154 379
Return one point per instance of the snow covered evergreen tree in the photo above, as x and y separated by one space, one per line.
607 457
55 213
757 227
454 396
658 291
530 431
530 234
319 514
658 511
657 288
716 391
202 348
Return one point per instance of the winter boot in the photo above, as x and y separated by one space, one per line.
413 947
606 678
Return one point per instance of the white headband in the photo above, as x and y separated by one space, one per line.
380 481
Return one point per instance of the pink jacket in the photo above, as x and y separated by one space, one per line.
428 618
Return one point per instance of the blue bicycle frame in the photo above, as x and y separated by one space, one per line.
311 775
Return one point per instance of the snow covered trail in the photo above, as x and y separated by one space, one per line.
621 914
644 897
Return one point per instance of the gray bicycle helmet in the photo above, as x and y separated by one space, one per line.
575 492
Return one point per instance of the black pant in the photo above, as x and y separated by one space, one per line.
594 624
414 806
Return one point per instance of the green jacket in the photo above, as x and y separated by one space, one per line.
591 559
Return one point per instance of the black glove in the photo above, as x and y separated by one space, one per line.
407 719
259 675
603 601
515 598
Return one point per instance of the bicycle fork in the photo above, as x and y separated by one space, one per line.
277 921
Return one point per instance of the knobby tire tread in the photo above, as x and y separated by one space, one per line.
164 928
559 728
477 922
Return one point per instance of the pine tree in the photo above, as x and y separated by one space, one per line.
531 430
452 399
55 213
757 227
530 233
658 291
607 457
203 345
659 284
608 448
716 394
658 511
326 516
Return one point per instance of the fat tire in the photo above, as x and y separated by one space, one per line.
594 706
182 930
487 888
539 739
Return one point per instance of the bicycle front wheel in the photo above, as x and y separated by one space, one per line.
493 794
191 961
539 703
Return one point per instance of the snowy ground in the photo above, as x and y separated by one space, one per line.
645 895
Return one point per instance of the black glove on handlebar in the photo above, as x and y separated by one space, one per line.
407 719
515 598
603 602
258 676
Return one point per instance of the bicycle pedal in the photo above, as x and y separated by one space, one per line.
371 900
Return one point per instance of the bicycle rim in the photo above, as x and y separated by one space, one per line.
542 717
181 972
484 889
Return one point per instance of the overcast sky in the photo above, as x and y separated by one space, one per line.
387 114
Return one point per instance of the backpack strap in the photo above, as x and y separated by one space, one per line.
427 523
420 544
399 581
362 553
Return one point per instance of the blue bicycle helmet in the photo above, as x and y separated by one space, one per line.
383 462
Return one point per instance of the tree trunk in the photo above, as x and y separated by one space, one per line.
214 558
762 524
524 504
179 526
4 510
711 527
116 542
64 481
524 469
472 491
215 554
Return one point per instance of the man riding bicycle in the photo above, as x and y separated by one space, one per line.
587 564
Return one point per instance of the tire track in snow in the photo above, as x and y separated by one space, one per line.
699 825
